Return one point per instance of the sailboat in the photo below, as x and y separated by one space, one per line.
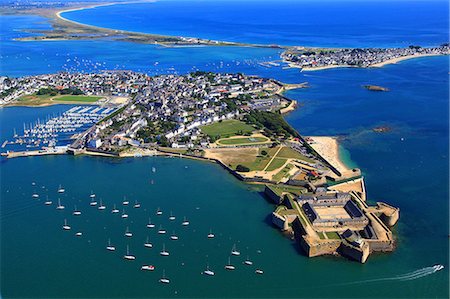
115 210
164 252
129 256
234 251
110 247
229 266
66 226
210 235
101 206
174 236
76 212
92 195
185 222
164 279
61 189
150 224
208 271
148 244
248 261
93 202
148 267
259 271
161 230
128 233
48 202
125 201
136 205
171 217
59 206
158 212
35 195
78 234
124 215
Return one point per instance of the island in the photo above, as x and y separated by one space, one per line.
235 120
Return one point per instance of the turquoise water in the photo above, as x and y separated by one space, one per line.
407 167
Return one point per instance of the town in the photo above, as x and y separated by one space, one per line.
311 58
234 120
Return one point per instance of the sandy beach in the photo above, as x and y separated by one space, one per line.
398 59
328 148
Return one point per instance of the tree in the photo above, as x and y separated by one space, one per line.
242 168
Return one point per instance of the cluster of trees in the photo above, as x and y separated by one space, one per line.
242 168
272 123
53 92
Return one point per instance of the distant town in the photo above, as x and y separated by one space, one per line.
310 58
234 120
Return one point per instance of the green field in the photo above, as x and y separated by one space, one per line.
243 140
282 173
72 98
276 163
289 153
227 128
257 163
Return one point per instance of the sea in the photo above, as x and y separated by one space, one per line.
406 167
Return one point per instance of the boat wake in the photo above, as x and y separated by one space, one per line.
404 277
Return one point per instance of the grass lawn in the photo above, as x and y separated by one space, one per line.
72 98
279 189
258 162
282 173
227 128
276 163
243 140
287 152
332 235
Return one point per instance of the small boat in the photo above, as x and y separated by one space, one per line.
93 202
115 210
208 271
234 251
129 256
153 169
61 189
125 202
158 212
174 236
163 252
438 267
35 195
101 206
66 226
48 202
128 233
92 195
211 235
259 271
124 215
136 205
229 266
76 212
185 222
59 206
171 217
148 267
150 224
248 261
148 244
161 230
110 247
78 234
164 279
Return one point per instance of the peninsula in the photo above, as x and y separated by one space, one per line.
234 120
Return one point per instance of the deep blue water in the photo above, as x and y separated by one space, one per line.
407 167
285 22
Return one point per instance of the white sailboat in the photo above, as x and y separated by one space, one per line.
136 205
78 234
259 271
171 217
59 206
129 256
115 210
93 202
110 247
208 271
148 267
66 226
234 251
128 233
163 252
76 212
158 212
174 236
185 222
125 201
101 206
211 235
150 224
229 266
48 202
124 215
92 195
61 189
164 279
148 244
161 230
248 261
35 195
